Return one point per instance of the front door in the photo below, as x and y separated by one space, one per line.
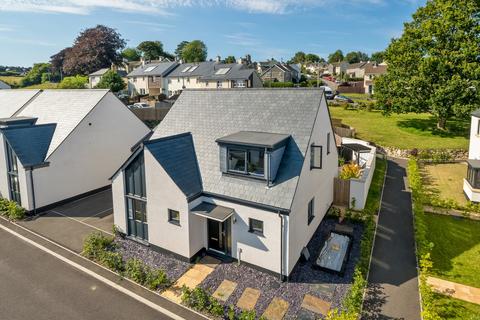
219 236
137 219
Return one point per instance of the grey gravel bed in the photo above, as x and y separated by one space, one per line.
304 279
172 266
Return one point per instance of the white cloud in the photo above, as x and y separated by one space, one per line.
162 7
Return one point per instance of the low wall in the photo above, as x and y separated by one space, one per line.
451 154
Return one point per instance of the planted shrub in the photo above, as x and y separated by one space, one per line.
135 270
95 245
201 300
247 315
11 210
156 279
350 171
112 260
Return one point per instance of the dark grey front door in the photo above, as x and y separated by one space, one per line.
137 219
219 236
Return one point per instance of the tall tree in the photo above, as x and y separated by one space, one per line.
57 61
36 74
378 57
356 56
111 80
311 57
151 50
131 54
230 59
94 48
435 65
194 51
180 46
337 56
299 57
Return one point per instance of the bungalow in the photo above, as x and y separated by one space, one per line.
372 70
212 75
471 185
57 145
243 174
3 85
150 78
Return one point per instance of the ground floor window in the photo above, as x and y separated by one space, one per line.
255 226
311 210
473 177
12 172
173 216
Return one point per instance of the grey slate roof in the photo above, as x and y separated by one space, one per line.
254 138
203 69
213 211
3 85
176 154
206 71
161 69
212 114
12 100
476 113
30 143
100 72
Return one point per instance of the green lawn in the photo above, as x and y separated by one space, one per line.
454 309
445 181
456 251
11 80
404 131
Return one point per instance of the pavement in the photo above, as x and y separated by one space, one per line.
70 223
392 291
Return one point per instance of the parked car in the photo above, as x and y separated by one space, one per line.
139 105
329 94
341 98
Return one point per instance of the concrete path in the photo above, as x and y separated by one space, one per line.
455 290
393 280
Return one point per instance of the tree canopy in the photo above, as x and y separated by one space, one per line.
356 56
111 80
337 56
230 59
131 54
194 51
36 74
74 82
151 50
378 57
435 65
302 58
93 49
180 46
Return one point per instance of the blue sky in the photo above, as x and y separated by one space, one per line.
33 30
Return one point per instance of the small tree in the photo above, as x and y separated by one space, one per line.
180 46
230 59
151 50
337 56
34 76
74 82
131 54
111 80
195 51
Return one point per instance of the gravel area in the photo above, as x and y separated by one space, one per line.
304 278
172 266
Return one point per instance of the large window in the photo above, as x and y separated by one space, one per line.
12 166
255 226
136 198
315 157
247 161
473 177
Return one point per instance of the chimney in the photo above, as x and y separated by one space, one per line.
218 59
240 61
142 60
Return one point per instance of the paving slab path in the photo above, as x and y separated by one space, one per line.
455 290
276 310
392 291
248 299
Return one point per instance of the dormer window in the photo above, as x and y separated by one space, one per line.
252 154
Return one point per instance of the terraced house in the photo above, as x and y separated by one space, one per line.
57 145
239 173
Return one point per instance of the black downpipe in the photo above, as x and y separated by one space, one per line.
33 192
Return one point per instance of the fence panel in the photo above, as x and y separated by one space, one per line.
341 192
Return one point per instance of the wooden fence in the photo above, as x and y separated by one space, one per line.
341 192
345 132
354 87
151 114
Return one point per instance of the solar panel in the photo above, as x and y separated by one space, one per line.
149 69
222 71
192 68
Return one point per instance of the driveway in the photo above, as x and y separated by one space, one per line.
70 223
393 279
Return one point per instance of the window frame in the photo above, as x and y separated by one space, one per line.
246 151
312 156
328 143
172 220
478 127
311 210
12 173
254 230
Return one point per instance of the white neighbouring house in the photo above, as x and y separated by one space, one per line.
242 173
471 185
57 145
150 79
3 85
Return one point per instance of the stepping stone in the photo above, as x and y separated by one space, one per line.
276 310
304 314
316 305
224 290
324 288
209 262
249 299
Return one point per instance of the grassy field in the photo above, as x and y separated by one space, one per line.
11 80
405 131
359 97
445 181
456 251
454 309
45 85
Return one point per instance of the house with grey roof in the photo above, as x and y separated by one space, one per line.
95 77
57 145
279 72
243 174
150 79
3 85
471 183
212 75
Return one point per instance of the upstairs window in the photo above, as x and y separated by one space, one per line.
135 178
328 143
315 157
311 210
247 161
478 127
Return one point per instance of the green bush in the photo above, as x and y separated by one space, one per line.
201 300
273 84
95 245
135 270
11 210
156 279
112 260
247 315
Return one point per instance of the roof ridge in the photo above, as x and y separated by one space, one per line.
256 89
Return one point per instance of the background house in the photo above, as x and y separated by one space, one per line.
371 71
356 70
249 177
279 72
471 184
338 68
150 79
60 144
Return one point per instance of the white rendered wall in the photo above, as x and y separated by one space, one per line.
90 154
474 147
316 183
4 189
472 194
118 197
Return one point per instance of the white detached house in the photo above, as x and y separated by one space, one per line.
240 173
471 185
57 145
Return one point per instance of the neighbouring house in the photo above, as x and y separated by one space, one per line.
212 75
315 68
356 70
471 185
95 77
372 70
279 72
338 68
57 145
243 174
150 79
3 85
